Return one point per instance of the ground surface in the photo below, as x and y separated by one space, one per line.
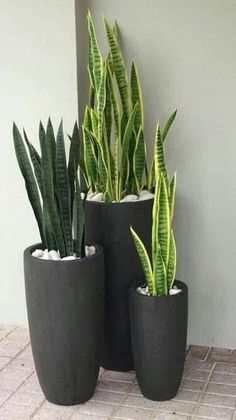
208 389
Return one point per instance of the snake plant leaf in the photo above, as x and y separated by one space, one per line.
136 96
144 259
94 121
30 183
103 169
90 158
63 188
164 221
52 145
119 69
151 175
96 61
101 102
73 163
108 113
160 279
168 125
115 105
49 193
80 220
128 132
36 162
48 232
171 269
87 119
155 217
159 154
139 159
172 196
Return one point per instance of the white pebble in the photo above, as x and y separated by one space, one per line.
68 258
174 291
90 250
46 255
143 291
38 253
143 192
146 196
54 255
90 196
130 197
98 197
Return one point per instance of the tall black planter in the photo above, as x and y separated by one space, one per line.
65 303
159 332
109 224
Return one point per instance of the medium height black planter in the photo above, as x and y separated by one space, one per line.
159 332
109 224
65 303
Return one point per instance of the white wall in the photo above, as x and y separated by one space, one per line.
37 79
185 52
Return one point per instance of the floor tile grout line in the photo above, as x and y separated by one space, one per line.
203 390
116 409
5 336
17 389
207 354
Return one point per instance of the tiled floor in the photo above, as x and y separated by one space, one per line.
208 389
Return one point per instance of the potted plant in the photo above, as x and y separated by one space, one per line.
64 284
120 185
159 308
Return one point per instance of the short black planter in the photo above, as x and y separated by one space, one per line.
109 224
65 303
159 332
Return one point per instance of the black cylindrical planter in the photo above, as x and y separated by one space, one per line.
159 332
65 303
109 224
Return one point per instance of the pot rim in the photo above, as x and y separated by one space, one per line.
28 253
184 290
117 203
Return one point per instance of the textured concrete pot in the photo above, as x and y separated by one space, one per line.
159 332
109 224
65 304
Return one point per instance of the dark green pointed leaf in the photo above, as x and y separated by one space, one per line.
30 183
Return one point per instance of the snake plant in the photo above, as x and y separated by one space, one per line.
53 188
160 267
113 127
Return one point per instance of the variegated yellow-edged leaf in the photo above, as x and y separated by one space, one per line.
144 259
139 159
136 95
101 103
168 125
171 269
160 279
155 217
151 176
115 105
119 69
96 61
164 221
94 121
87 119
159 153
108 112
90 158
128 133
172 190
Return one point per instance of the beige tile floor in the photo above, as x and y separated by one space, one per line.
208 389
